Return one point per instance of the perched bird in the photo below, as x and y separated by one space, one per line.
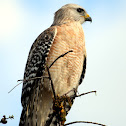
65 34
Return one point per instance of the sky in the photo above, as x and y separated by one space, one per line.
22 21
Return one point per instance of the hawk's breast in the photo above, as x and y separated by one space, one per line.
66 71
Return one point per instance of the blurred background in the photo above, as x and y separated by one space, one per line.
22 21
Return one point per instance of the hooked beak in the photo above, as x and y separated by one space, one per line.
88 18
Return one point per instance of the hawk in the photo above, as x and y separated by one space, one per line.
65 34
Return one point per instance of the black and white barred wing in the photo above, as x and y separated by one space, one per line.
35 67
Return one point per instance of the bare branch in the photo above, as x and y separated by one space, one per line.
51 83
14 87
49 71
34 78
25 81
60 57
84 122
86 93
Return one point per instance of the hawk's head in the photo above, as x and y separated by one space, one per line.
71 12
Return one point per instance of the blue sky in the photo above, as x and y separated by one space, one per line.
22 21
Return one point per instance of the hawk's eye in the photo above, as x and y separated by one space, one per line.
80 10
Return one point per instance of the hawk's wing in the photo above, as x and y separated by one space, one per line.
35 67
84 70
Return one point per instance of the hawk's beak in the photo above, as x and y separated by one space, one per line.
88 18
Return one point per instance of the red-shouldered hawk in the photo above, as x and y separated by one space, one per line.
65 34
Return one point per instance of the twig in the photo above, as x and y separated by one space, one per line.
86 93
32 78
14 87
51 83
84 122
80 94
25 81
60 57
49 71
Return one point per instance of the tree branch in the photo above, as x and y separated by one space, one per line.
86 93
26 80
51 83
60 57
53 89
84 122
